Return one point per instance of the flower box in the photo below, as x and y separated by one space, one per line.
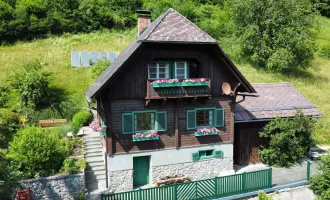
160 85
150 135
206 83
207 131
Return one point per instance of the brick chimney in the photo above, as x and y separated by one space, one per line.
144 19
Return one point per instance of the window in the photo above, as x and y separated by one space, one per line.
159 70
204 117
144 121
180 70
140 121
206 154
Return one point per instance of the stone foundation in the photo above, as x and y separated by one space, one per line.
56 187
202 169
120 180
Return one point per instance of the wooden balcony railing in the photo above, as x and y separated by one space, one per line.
178 91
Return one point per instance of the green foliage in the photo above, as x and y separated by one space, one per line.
288 140
325 52
38 151
9 124
4 92
32 83
79 120
323 6
274 34
321 182
263 196
73 166
99 67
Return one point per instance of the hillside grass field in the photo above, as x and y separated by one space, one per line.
55 53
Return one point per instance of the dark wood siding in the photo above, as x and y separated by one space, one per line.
131 80
123 142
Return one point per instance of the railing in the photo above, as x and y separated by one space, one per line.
204 189
179 91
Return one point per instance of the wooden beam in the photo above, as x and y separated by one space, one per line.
164 101
176 113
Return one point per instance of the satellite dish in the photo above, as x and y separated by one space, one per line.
226 89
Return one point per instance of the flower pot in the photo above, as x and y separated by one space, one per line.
138 139
160 85
199 134
187 84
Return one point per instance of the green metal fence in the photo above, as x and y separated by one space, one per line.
204 189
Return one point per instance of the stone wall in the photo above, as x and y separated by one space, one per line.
56 187
202 169
121 180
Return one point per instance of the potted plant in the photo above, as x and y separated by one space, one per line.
207 131
166 83
195 82
149 135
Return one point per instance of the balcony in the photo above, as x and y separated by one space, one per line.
179 89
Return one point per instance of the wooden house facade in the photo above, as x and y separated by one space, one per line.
164 108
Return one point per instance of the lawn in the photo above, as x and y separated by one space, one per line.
55 52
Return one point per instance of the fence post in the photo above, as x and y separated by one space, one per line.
243 182
196 195
215 187
270 177
308 170
140 194
175 191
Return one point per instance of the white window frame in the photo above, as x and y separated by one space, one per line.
185 69
167 70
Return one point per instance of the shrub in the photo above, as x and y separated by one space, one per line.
321 182
288 140
73 166
39 152
32 84
79 120
274 34
263 196
99 67
9 124
3 96
325 52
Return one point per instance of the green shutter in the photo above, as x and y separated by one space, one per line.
127 123
220 117
161 119
191 119
218 154
195 156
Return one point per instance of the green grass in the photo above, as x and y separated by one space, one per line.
55 52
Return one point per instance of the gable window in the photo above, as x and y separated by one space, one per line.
158 70
141 121
205 117
180 70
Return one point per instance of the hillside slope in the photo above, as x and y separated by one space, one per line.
55 53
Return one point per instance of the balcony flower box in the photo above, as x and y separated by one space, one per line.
207 131
195 82
166 83
150 135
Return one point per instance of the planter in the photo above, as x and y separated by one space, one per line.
198 134
161 85
138 139
204 83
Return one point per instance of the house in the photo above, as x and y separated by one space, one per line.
133 98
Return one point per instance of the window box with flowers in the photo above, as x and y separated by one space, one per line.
166 83
195 82
149 135
97 127
206 131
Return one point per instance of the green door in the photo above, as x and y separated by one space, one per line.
141 170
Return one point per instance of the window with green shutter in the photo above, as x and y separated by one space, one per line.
127 123
191 119
205 154
205 117
161 118
220 117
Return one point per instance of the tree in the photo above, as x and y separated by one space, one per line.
32 83
9 124
321 182
274 34
288 140
323 6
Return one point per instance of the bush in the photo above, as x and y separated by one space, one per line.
325 52
99 67
3 96
323 6
288 140
32 84
39 152
9 124
73 166
274 34
263 196
79 120
321 182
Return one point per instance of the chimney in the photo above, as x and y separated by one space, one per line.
144 19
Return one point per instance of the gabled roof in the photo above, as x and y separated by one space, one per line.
170 27
275 100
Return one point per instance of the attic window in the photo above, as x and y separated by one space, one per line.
159 70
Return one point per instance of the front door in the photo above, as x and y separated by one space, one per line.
141 170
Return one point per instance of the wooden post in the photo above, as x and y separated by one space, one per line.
176 113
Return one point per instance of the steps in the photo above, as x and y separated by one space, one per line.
95 174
